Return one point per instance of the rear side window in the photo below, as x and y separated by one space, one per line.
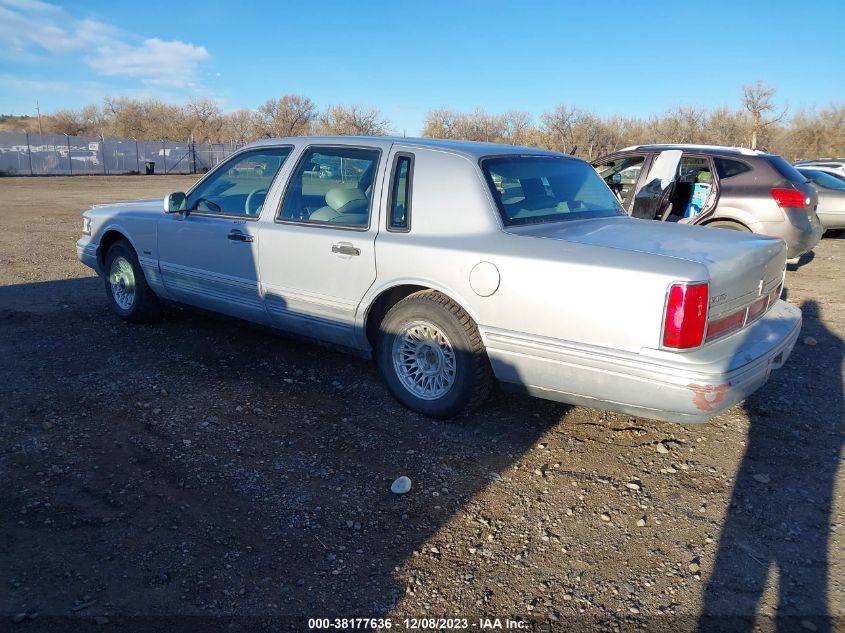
786 170
727 167
332 186
400 193
539 189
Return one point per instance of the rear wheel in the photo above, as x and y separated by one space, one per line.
430 353
126 287
729 224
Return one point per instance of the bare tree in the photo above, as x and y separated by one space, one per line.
559 127
292 115
517 125
440 123
353 120
758 99
241 126
204 119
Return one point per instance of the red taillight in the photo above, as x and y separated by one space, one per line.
789 198
724 326
757 308
774 295
686 316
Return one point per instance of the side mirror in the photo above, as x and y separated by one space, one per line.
174 202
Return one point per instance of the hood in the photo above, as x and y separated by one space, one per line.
147 204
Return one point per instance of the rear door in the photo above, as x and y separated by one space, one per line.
650 200
697 189
317 258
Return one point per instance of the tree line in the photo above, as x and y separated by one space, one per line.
756 123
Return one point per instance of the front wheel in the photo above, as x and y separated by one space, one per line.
126 287
430 353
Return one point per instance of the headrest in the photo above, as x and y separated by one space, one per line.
347 200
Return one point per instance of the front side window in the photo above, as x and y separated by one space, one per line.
621 175
239 186
539 189
332 185
400 195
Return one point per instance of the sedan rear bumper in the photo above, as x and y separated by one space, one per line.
688 387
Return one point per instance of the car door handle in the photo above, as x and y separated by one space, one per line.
240 236
345 248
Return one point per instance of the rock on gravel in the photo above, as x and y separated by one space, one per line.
401 485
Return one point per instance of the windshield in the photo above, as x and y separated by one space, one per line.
537 189
823 179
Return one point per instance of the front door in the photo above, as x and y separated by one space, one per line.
318 258
654 195
208 254
622 174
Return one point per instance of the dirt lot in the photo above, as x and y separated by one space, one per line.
202 467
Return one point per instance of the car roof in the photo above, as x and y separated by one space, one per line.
470 149
720 149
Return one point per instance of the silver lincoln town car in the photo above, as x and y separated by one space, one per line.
450 263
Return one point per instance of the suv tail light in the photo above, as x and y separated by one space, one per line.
686 316
789 198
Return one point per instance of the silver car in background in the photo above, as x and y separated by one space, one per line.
721 187
831 192
451 263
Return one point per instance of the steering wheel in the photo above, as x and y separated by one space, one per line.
254 201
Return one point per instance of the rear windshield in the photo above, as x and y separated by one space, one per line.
823 179
537 189
786 170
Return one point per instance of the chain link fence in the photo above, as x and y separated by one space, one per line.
62 155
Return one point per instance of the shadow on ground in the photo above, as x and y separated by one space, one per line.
779 517
200 467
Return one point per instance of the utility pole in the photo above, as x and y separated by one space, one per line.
38 110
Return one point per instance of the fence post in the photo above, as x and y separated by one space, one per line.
164 156
103 154
137 157
69 161
29 153
193 157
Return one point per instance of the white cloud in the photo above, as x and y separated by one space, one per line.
34 30
154 61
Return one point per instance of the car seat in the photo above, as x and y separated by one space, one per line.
344 205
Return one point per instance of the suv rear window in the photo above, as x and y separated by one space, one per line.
786 170
538 189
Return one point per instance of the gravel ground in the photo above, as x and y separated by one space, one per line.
200 466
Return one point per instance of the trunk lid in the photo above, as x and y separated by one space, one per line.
742 266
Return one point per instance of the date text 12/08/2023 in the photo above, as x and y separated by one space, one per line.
417 624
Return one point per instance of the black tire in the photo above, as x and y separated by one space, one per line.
730 225
144 306
470 381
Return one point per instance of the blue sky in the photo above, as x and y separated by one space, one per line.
631 58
